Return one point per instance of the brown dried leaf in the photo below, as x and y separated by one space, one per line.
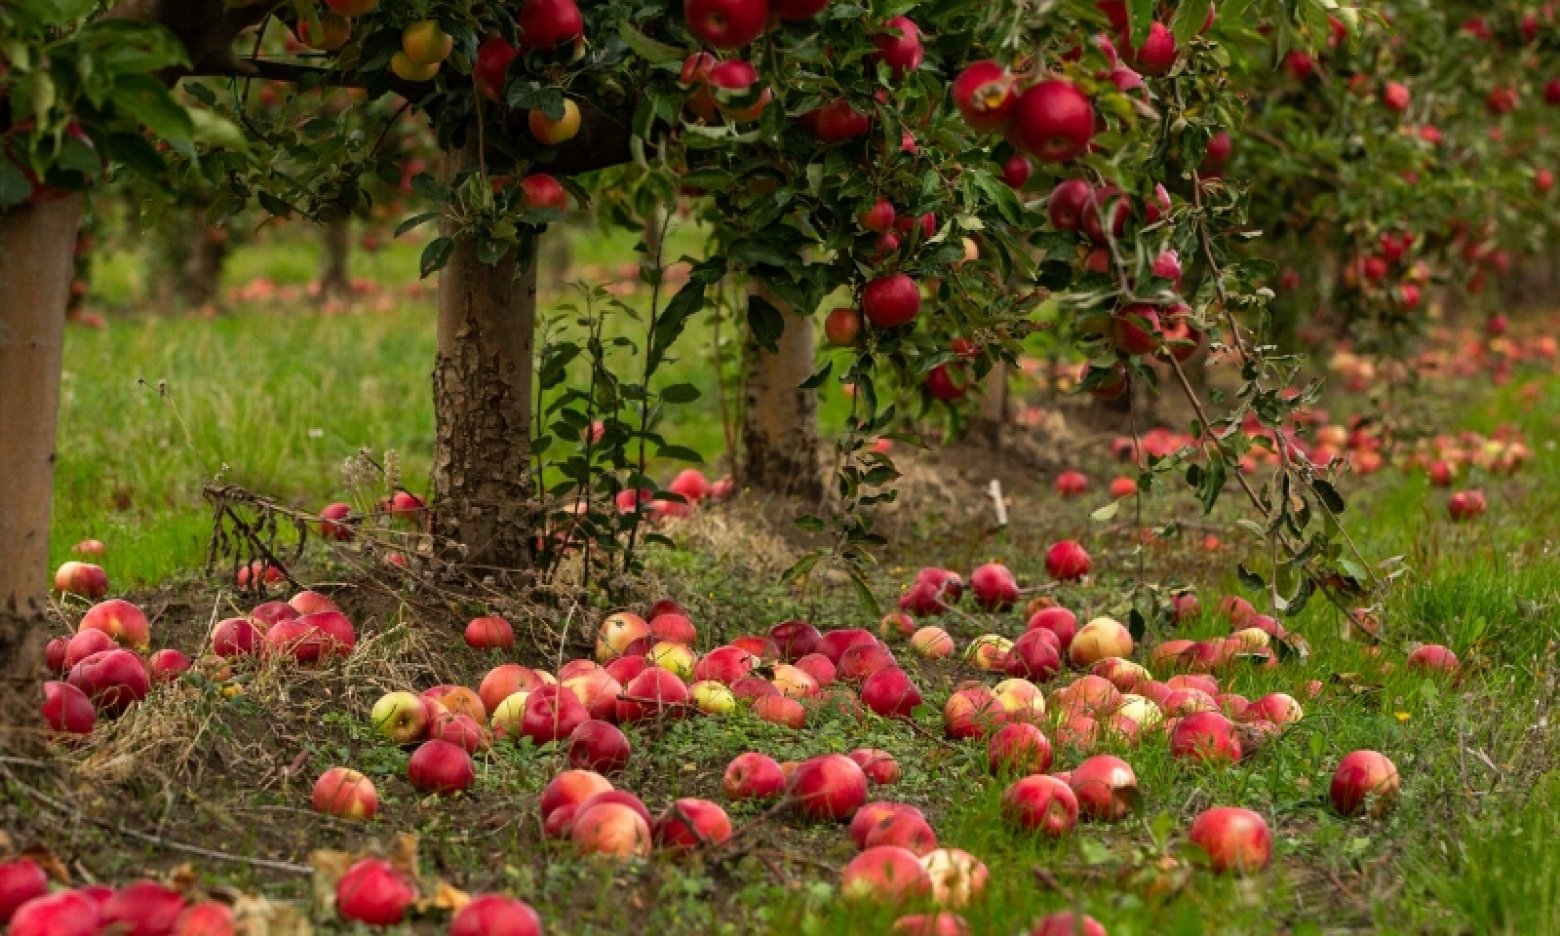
256 916
48 861
403 854
445 897
329 866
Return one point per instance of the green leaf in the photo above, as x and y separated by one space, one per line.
1107 512
146 100
864 591
1140 15
669 325
679 453
1188 19
14 187
217 132
1249 578
680 393
817 379
435 255
766 323
650 50
414 221
1328 495
1213 484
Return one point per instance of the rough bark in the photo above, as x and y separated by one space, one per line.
334 281
36 247
986 428
200 280
779 418
483 496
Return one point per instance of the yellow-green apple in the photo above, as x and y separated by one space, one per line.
1142 711
1018 748
890 693
905 830
509 715
989 652
885 874
82 579
1234 839
346 794
1067 561
599 746
879 766
121 620
611 829
780 710
490 633
793 682
373 891
692 823
1123 674
618 631
677 659
1280 708
1365 781
1019 700
931 642
113 679
829 786
550 131
440 767
66 709
1105 786
1100 638
495 915
571 788
653 692
402 717
712 698
1205 736
753 776
404 68
1041 803
957 876
426 43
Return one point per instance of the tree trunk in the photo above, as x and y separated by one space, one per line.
779 418
334 281
36 246
482 491
202 280
986 427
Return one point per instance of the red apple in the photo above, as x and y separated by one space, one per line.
67 709
1105 786
891 301
692 823
490 633
113 679
890 693
551 714
795 639
945 923
1018 748
165 665
233 637
753 776
899 46
1234 839
82 579
440 767
612 829
836 122
1433 658
830 786
143 908
120 620
346 794
726 24
1067 923
902 829
1205 736
1067 561
598 746
984 95
879 766
496 915
885 874
571 788
994 586
84 644
207 918
1041 803
1365 781
491 70
654 692
374 892
20 881
548 24
1053 121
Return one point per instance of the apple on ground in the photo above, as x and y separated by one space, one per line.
885 874
346 794
753 776
1234 839
828 787
440 767
496 915
373 891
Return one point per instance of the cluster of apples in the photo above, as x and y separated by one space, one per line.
83 579
105 672
145 908
690 484
375 892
